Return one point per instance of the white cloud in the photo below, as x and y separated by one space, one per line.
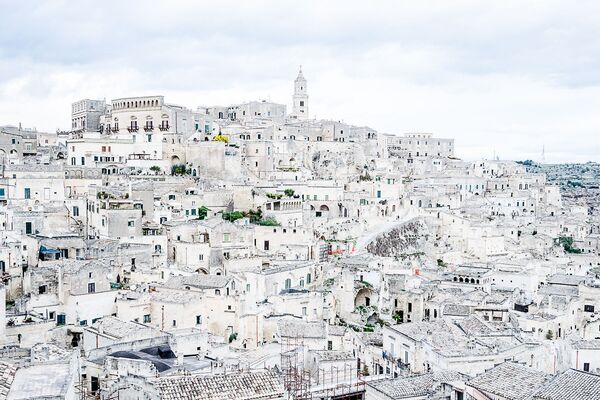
510 76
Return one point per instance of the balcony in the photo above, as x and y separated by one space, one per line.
164 127
133 129
115 130
148 128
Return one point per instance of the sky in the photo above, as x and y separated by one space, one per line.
505 78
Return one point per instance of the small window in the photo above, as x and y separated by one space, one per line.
198 319
91 287
147 319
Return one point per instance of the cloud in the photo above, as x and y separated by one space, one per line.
504 78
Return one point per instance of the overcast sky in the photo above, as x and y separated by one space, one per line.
507 77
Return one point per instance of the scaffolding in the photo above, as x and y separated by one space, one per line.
334 382
296 378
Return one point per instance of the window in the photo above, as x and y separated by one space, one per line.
198 319
27 193
147 319
301 283
588 308
226 237
131 223
308 278
42 289
301 103
2 192
329 345
201 257
586 367
174 323
75 211
304 311
91 287
28 228
51 315
288 283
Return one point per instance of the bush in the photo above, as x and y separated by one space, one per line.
178 169
289 192
268 222
274 196
202 212
221 138
549 335
155 168
567 244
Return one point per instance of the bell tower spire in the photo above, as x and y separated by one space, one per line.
300 98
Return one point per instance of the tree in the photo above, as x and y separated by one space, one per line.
549 335
221 138
155 168
289 192
202 212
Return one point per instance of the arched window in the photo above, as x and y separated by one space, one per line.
217 292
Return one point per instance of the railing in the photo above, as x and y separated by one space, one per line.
133 129
148 128
114 130
164 127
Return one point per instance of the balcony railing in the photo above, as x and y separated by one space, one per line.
115 130
148 128
133 129
164 127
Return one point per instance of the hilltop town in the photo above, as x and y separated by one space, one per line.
249 251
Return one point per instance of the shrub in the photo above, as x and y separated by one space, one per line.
289 192
268 222
221 138
155 168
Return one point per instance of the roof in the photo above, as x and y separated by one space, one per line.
199 281
413 386
501 381
36 382
7 375
571 385
242 386
291 328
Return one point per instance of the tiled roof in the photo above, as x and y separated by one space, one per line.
510 381
571 385
240 386
7 375
413 386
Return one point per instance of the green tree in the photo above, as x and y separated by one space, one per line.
289 192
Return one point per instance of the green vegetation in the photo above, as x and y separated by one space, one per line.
268 222
155 168
567 244
180 169
274 196
202 212
233 215
549 335
441 263
289 192
232 337
255 217
396 317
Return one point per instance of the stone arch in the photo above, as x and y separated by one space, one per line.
363 297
